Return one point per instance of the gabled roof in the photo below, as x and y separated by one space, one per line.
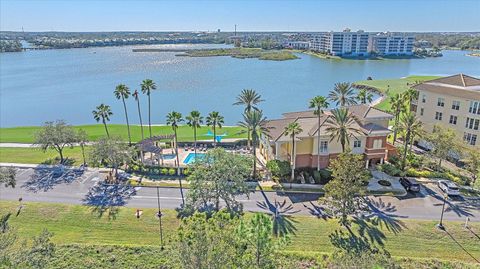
459 85
460 80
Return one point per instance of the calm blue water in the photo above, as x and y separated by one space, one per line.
37 86
191 157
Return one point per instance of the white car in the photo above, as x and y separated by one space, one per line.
448 187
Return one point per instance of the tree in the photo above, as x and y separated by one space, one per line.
123 92
56 135
173 119
342 125
82 140
343 94
8 176
258 247
250 99
472 161
410 124
318 103
219 176
364 96
103 113
410 95
147 87
112 152
343 193
194 120
398 106
214 119
8 237
292 130
255 122
443 141
137 99
41 252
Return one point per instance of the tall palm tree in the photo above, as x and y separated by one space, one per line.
292 130
103 113
318 103
147 87
364 96
409 124
249 98
343 94
342 126
410 94
123 92
214 119
255 122
137 99
173 119
397 106
194 120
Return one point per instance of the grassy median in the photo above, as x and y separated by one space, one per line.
37 156
74 224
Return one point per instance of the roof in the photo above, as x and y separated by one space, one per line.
459 85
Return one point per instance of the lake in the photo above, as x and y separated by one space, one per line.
42 85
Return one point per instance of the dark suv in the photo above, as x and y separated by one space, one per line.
410 184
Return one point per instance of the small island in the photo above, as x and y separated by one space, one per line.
243 53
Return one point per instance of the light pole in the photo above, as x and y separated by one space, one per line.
159 215
440 225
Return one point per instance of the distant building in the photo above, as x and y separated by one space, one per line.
452 102
298 45
391 43
344 43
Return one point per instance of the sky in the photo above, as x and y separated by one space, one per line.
249 15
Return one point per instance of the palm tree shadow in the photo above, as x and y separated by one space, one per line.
105 199
349 242
368 231
460 245
382 214
318 211
45 179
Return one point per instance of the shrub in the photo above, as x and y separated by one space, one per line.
172 171
186 171
461 180
164 171
278 168
389 169
323 176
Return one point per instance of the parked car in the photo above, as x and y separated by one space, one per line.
410 184
448 187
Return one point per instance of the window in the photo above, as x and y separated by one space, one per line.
441 102
471 139
421 111
357 144
456 105
323 146
377 143
438 115
472 123
453 120
424 98
474 107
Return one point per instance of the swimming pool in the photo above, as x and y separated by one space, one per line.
191 157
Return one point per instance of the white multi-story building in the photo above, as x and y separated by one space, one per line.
346 43
299 45
387 43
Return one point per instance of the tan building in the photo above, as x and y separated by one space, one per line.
452 102
372 143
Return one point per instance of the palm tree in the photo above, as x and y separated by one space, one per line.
342 126
123 92
410 94
82 140
398 106
147 87
135 95
318 103
214 119
249 98
343 94
173 119
103 113
364 96
194 120
255 122
292 130
409 124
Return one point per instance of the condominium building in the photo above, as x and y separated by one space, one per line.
452 102
387 43
344 43
298 45
371 143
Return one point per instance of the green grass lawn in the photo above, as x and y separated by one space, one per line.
391 87
37 156
78 225
185 133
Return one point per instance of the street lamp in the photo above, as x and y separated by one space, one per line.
159 216
440 225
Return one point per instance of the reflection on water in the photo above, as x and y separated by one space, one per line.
45 85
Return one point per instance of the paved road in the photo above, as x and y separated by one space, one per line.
40 185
